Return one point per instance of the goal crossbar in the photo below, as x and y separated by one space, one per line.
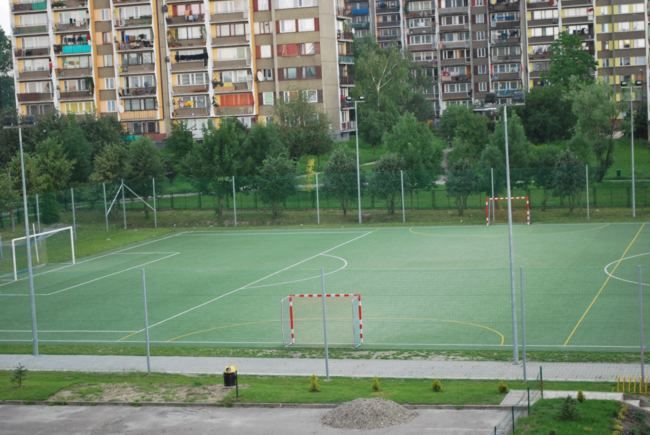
356 313
490 200
37 236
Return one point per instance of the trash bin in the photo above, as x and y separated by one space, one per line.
230 376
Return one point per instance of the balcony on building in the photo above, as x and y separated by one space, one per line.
174 42
547 39
73 73
34 75
453 27
543 22
510 20
32 52
29 30
346 80
72 49
136 68
190 89
539 54
86 94
139 115
456 96
29 97
460 8
455 61
503 5
23 7
219 65
505 57
183 20
69 4
232 87
346 59
234 110
231 41
360 25
507 76
348 126
229 17
130 2
191 112
137 92
72 25
141 21
447 45
136 44
505 37
455 78
345 34
574 3
540 4
383 6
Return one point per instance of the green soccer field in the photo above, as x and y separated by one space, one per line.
421 287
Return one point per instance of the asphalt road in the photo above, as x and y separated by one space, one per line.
108 420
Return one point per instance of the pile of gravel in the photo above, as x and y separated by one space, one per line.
367 414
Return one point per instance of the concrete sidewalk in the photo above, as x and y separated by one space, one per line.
306 367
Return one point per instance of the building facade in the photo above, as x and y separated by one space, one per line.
153 62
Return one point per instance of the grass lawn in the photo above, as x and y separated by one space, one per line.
595 417
40 386
622 159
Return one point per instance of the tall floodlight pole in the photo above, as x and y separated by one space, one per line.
515 338
637 84
30 272
356 134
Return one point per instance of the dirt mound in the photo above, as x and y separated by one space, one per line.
367 414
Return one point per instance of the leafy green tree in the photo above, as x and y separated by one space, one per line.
144 162
569 177
386 180
54 167
277 182
569 62
178 144
453 117
416 145
596 114
462 181
111 164
5 53
391 85
9 196
7 93
542 161
518 145
492 157
341 177
303 128
261 142
547 115
101 131
470 137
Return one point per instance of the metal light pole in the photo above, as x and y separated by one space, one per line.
637 84
356 134
30 272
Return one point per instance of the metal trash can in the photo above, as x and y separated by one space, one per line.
230 376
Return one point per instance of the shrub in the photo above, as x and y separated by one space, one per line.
18 375
314 385
552 432
503 388
569 410
436 385
375 384
581 396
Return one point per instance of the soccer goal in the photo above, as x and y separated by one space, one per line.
302 319
51 247
496 213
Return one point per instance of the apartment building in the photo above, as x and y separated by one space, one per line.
154 62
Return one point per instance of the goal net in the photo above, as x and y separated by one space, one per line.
49 248
302 319
496 210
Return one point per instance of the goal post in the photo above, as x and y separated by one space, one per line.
55 246
302 319
522 202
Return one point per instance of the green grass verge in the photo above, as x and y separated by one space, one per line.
40 386
594 417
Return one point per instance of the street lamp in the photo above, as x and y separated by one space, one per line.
32 293
637 84
361 99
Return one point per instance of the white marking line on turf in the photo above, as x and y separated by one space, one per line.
262 233
138 245
65 331
343 260
629 281
173 254
245 286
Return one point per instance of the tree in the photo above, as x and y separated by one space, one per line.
518 145
391 85
470 137
596 113
303 129
8 196
261 141
144 163
462 180
542 161
101 131
54 172
5 53
569 62
569 177
7 96
453 117
177 145
415 144
341 177
111 164
386 182
277 181
547 115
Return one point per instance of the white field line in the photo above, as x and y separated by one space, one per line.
264 233
173 254
138 245
343 260
65 331
629 281
252 283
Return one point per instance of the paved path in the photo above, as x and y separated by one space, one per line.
306 367
54 420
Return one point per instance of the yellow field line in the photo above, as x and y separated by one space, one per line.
600 290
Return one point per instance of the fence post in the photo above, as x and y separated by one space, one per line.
74 214
146 321
491 204
234 200
401 177
123 204
512 410
38 213
105 206
641 324
523 321
541 381
528 392
587 190
155 208
323 300
317 201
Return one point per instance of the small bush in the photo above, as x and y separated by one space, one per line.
314 385
503 388
569 410
18 375
581 396
436 386
375 384
552 432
